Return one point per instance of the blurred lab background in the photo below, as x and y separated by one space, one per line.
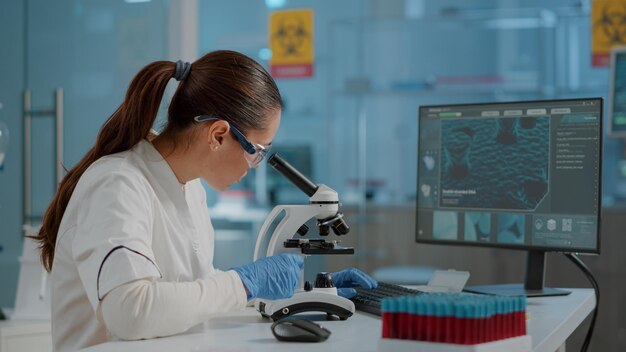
352 125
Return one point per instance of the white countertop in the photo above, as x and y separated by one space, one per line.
552 320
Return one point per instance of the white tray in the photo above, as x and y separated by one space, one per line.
514 344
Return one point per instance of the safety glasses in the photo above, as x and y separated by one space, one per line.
255 153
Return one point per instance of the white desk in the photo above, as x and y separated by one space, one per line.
25 336
552 320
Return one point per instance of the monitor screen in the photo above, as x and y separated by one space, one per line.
522 175
617 93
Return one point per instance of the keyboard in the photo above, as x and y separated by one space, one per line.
367 300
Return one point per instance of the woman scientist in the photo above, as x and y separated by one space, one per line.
128 237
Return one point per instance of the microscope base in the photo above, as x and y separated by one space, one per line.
304 301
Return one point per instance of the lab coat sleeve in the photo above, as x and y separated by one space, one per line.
113 238
150 308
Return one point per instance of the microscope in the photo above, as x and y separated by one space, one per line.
325 208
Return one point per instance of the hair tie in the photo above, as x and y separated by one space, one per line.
182 70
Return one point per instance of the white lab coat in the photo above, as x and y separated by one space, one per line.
128 219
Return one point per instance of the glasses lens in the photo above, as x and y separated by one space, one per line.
262 154
254 160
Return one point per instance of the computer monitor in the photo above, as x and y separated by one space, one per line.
519 175
617 93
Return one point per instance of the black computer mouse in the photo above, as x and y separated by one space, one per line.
299 330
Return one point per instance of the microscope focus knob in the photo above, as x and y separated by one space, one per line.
303 230
324 280
307 286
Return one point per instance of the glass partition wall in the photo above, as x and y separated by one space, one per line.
383 69
67 68
376 62
352 126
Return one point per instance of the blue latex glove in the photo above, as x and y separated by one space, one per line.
272 277
346 279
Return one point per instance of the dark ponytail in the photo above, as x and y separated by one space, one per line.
222 83
128 125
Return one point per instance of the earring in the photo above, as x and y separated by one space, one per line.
216 147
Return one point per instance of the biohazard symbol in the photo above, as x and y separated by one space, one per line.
612 25
292 36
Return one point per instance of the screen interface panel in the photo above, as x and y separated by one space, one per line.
618 95
523 175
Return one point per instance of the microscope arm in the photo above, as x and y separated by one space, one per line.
295 216
324 206
263 233
324 203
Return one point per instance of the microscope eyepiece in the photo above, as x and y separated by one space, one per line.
292 174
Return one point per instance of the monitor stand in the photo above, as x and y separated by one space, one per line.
533 285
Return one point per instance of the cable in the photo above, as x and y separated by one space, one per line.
581 265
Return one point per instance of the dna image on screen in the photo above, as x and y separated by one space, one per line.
494 163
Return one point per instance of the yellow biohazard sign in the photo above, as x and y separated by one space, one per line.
291 43
608 27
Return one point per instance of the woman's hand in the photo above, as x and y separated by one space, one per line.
272 277
346 279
